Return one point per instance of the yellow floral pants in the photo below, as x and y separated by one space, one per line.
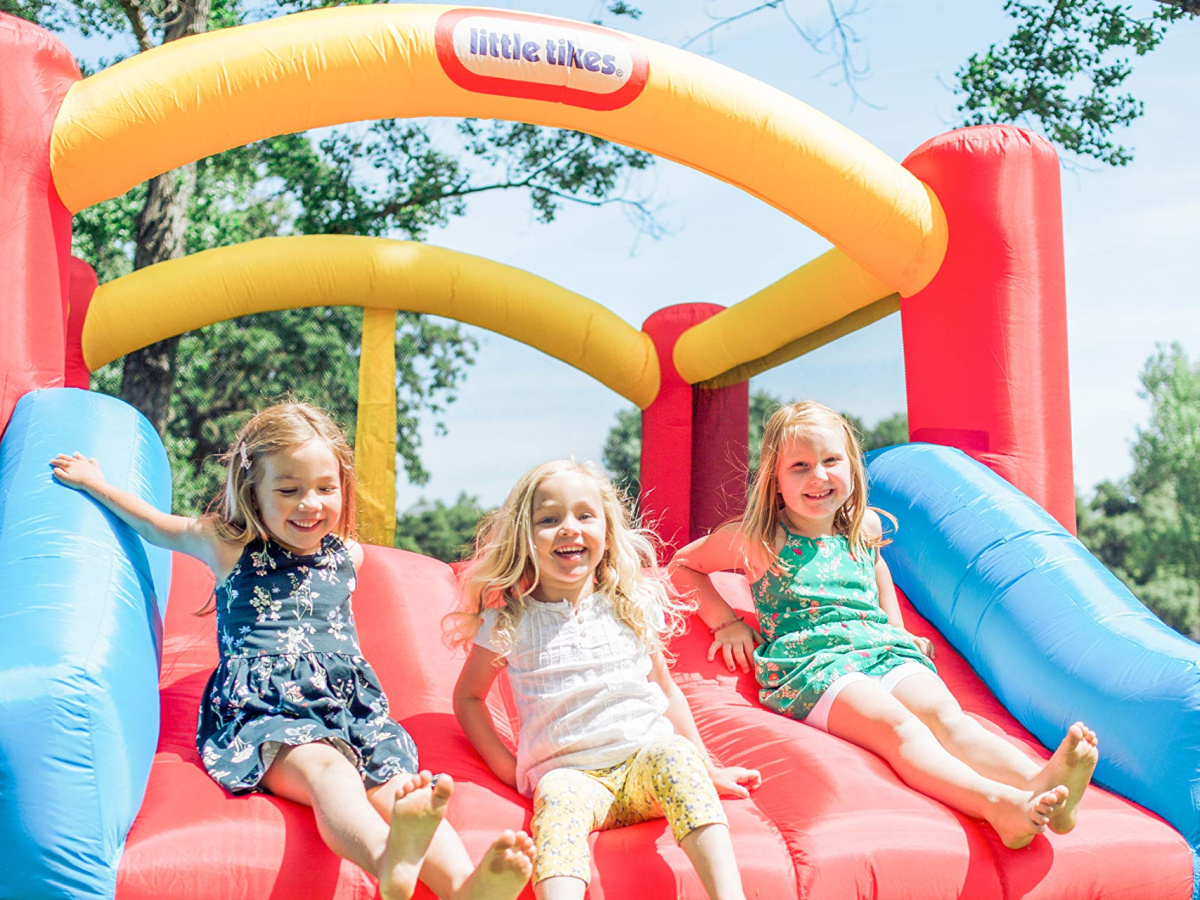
666 778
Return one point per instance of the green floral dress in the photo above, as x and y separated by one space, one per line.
818 608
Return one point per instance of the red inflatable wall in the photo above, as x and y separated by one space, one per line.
985 344
694 451
35 72
82 287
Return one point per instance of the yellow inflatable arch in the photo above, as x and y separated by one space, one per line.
205 94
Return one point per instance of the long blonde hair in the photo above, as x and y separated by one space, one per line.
504 573
235 512
764 507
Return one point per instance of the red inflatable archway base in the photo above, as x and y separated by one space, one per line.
830 821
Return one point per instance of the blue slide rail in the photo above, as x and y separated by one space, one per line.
80 645
1055 635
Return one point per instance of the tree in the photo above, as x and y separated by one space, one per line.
1062 70
441 531
622 453
392 178
1146 529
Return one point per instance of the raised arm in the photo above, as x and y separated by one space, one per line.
690 568
470 708
184 534
731 781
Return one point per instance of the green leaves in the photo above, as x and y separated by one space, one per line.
1061 72
443 532
1147 528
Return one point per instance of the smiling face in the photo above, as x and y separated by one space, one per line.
814 479
568 533
299 495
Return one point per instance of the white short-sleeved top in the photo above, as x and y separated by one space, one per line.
581 681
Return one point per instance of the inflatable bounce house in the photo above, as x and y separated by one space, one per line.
102 661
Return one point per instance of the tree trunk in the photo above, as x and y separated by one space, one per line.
149 374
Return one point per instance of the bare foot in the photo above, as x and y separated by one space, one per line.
1072 764
504 869
1018 823
416 814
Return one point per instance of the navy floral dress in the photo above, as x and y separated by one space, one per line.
291 671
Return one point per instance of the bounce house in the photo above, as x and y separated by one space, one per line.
102 662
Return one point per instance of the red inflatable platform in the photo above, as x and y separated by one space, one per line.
830 822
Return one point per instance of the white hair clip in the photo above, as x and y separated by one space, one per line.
245 456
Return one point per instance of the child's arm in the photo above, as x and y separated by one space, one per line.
888 601
195 537
470 708
731 781
690 568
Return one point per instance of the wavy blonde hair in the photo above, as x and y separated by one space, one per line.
503 573
764 507
235 512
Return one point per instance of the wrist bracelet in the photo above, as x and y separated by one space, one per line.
736 618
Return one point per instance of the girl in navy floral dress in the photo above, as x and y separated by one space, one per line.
293 709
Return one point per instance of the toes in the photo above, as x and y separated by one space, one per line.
443 787
506 840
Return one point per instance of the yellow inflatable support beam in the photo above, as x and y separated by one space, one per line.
205 94
172 297
375 436
796 314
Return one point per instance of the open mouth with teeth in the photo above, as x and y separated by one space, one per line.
305 526
823 495
572 553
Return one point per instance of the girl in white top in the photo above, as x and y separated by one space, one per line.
565 592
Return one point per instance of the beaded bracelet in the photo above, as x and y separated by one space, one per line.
736 618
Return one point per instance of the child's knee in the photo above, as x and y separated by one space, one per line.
556 788
674 752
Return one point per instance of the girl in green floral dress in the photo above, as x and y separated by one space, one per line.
831 648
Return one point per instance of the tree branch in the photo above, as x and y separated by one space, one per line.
134 14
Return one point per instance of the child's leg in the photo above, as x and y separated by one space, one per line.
1072 764
928 698
567 806
319 776
445 867
867 715
670 778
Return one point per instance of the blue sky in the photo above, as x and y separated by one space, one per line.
1130 234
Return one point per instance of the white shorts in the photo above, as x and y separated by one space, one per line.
819 717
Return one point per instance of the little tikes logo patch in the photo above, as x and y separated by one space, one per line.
540 58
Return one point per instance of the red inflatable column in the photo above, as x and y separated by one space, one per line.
985 343
720 455
693 441
82 286
35 244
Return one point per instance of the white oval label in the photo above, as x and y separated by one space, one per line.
541 58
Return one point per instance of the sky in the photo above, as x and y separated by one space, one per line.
1130 236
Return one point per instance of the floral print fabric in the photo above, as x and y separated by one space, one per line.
667 777
818 608
291 671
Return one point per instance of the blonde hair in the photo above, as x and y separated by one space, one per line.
235 512
764 507
504 572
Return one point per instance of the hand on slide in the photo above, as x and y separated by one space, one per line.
734 781
736 643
